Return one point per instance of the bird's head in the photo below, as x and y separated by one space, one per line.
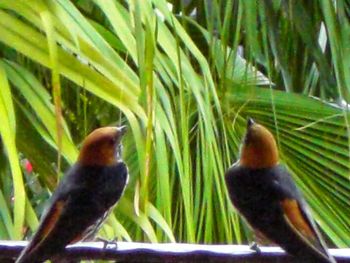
102 146
259 148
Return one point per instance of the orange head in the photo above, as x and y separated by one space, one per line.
102 146
259 149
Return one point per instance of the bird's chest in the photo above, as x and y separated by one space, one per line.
97 188
107 189
253 194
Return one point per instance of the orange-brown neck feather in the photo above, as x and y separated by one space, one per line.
259 149
100 147
102 156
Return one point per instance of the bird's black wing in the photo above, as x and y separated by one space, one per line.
297 214
59 206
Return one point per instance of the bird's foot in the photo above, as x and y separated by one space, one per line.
254 246
108 243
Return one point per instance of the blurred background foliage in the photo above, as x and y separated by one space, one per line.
183 75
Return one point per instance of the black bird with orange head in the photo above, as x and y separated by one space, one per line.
83 198
263 191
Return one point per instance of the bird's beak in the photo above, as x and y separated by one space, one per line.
122 130
250 122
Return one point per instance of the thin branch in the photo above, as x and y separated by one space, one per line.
167 252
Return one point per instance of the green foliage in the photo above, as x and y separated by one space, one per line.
184 81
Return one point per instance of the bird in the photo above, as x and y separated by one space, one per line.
83 198
264 193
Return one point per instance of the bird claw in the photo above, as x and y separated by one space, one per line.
112 244
254 246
